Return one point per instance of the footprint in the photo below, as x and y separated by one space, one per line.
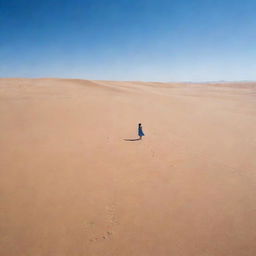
104 236
111 214
111 220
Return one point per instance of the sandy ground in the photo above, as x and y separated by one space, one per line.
71 185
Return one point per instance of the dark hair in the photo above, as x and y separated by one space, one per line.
139 124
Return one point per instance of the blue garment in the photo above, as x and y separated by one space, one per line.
140 132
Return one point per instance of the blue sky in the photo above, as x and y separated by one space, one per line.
151 40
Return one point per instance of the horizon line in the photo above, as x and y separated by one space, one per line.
191 82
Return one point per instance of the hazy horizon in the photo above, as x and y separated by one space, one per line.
79 78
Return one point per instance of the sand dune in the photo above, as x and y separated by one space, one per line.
72 185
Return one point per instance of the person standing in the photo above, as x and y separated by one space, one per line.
140 131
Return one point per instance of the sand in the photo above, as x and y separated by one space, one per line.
72 185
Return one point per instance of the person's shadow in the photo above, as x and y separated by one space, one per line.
131 139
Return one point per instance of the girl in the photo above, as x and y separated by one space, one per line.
140 132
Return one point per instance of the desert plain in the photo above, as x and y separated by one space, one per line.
76 182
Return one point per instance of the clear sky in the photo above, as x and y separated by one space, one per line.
151 40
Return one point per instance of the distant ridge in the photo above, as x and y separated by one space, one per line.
220 82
